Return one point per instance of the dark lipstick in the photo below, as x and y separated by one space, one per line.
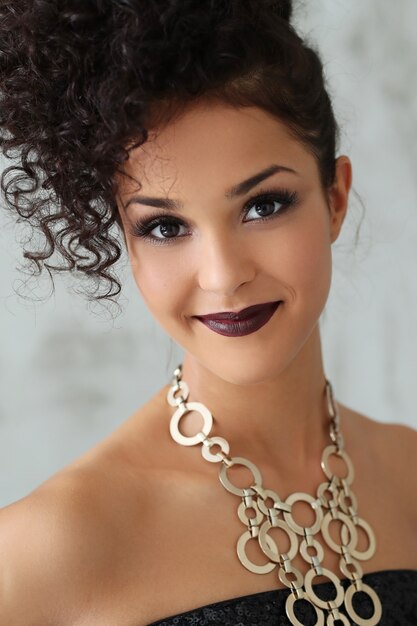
242 323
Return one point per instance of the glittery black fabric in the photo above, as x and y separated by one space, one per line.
397 590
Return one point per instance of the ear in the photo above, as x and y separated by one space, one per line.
338 195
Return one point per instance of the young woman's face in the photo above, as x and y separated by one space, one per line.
231 214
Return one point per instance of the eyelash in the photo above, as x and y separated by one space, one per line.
142 228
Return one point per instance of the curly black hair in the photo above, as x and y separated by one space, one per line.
80 81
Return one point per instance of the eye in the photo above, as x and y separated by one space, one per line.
264 208
166 230
159 229
268 205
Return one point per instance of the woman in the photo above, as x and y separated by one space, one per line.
205 131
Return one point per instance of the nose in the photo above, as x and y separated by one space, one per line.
224 265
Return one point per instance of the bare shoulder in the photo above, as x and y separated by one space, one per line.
390 450
385 437
395 441
398 445
73 532
46 540
401 440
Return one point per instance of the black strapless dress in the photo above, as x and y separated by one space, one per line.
397 590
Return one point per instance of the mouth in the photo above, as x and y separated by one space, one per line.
244 322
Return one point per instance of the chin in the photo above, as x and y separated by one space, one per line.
247 371
250 364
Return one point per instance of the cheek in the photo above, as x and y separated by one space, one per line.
301 258
160 282
312 262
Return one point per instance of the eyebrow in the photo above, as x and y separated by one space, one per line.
170 204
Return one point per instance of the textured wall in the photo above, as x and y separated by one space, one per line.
69 377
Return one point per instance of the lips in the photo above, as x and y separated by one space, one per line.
244 322
230 315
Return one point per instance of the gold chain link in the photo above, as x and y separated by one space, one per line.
341 507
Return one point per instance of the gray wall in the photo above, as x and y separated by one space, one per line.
69 377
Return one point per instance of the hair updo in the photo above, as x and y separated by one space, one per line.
80 81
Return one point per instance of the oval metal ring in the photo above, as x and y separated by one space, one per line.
340 618
323 604
289 609
315 505
239 460
337 515
358 573
366 554
268 493
292 584
317 547
252 567
275 554
342 501
328 451
185 392
241 511
208 455
370 621
183 410
328 504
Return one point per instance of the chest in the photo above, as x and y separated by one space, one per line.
181 552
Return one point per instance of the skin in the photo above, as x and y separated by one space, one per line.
267 386
102 527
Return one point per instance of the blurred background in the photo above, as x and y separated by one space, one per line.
70 375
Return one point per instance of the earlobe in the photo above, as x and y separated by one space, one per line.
339 195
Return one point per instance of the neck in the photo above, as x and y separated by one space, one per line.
282 421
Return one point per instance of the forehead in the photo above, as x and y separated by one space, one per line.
209 146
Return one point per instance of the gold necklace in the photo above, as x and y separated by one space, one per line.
340 504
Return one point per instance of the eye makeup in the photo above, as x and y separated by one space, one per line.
170 227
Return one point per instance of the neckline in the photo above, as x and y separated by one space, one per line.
280 591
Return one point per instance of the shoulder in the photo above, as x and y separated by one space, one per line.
397 445
396 442
68 541
61 544
42 539
389 453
